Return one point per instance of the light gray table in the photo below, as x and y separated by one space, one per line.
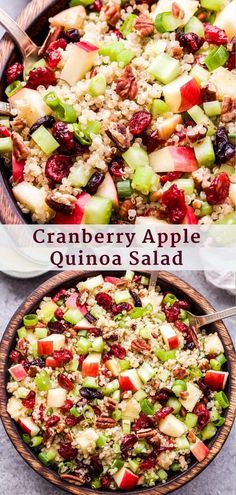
16 476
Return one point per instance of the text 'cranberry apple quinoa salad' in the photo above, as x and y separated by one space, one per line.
129 115
111 387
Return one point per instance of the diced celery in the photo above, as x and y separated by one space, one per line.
73 365
134 465
117 463
143 179
75 411
146 407
46 313
40 333
5 145
124 57
124 188
85 3
222 399
83 345
73 316
66 113
110 387
216 58
111 50
145 333
126 426
140 447
97 311
186 185
165 355
212 4
22 333
92 127
191 420
212 108
42 380
127 26
136 157
200 74
51 454
197 114
204 152
45 140
165 68
98 344
169 298
175 467
124 364
121 296
178 387
194 25
98 211
175 404
182 443
95 483
101 441
79 175
162 474
140 395
166 22
160 316
206 209
36 441
97 85
116 395
227 168
129 275
90 382
117 414
13 88
146 372
195 372
209 431
159 107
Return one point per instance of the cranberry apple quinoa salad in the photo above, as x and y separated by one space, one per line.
129 114
112 388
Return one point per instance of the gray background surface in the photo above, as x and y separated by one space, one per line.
15 475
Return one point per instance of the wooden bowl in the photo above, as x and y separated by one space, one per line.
34 20
167 282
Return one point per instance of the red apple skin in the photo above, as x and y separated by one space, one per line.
88 47
200 450
190 217
90 369
51 362
184 158
17 170
18 372
77 215
215 380
190 95
45 348
173 342
126 384
71 301
129 481
112 280
82 308
24 427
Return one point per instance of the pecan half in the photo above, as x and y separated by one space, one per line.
191 436
18 124
139 345
144 25
177 11
208 91
125 207
177 52
104 422
155 439
228 112
127 87
146 433
76 480
21 151
204 365
59 202
32 371
110 403
112 13
120 135
196 133
180 373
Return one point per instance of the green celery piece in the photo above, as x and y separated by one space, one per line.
204 152
73 316
165 68
111 50
143 179
45 140
194 25
124 57
212 4
46 313
136 157
98 210
216 58
127 26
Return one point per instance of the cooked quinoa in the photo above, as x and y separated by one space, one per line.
111 387
129 114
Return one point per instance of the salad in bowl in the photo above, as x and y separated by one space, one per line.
112 388
128 115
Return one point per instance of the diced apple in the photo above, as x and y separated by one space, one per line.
213 344
92 282
33 198
225 82
154 299
69 18
91 364
149 221
18 372
199 450
226 19
113 366
232 193
83 325
71 301
172 426
129 380
108 190
15 408
216 380
77 216
17 170
169 336
194 395
182 93
168 126
48 345
173 159
125 479
56 397
130 409
189 7
113 280
81 58
190 217
28 426
29 105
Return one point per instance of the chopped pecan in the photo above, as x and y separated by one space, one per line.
176 52
127 87
79 480
18 124
32 371
204 365
139 345
155 439
191 436
21 151
125 207
208 91
110 403
108 333
177 11
196 133
184 395
144 25
228 112
67 436
120 135
146 433
112 13
61 202
104 422
53 35
180 373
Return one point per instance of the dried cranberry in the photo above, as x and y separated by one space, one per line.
136 298
72 35
41 76
218 190
58 295
170 177
127 444
148 463
52 421
41 413
95 467
183 304
15 357
163 395
118 351
58 313
172 312
52 54
67 451
164 411
47 121
97 5
104 300
139 122
90 318
191 41
143 422
60 43
72 420
231 62
14 72
106 481
118 34
56 327
215 35
65 382
64 137
58 167
204 388
26 364
29 401
224 150
174 201
67 406
116 167
106 356
4 132
118 308
63 356
151 141
181 327
81 360
203 415
90 394
94 182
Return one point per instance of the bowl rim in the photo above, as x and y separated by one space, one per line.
69 278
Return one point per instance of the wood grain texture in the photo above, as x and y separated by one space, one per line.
34 20
167 282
